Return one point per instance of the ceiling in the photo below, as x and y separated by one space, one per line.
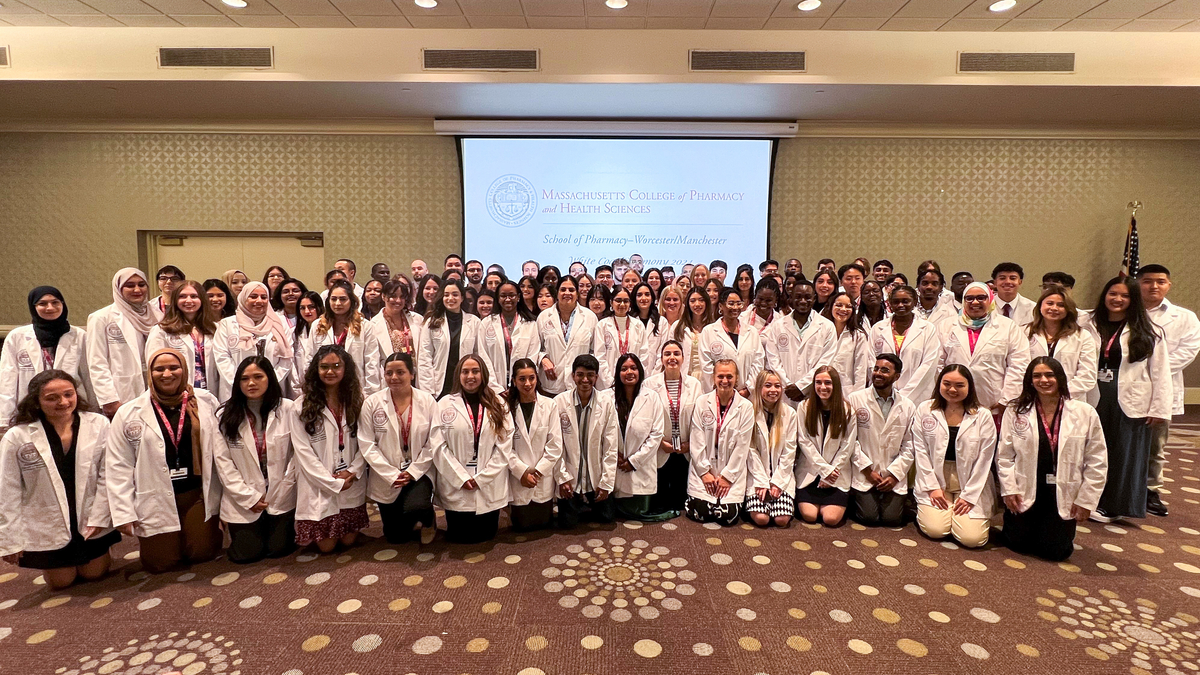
857 15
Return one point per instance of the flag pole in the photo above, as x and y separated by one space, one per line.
1129 261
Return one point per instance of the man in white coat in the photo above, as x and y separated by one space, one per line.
994 348
885 446
799 343
1008 277
588 470
1181 335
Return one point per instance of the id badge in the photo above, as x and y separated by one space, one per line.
179 474
472 468
1105 375
1051 479
675 442
342 466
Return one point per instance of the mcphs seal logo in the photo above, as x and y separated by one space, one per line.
511 200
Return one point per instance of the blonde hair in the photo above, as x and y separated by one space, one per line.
776 429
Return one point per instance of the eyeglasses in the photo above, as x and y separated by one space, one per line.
167 277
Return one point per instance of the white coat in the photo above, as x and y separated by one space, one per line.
21 359
974 450
241 474
115 357
606 345
415 328
687 341
382 447
1077 353
1144 388
716 345
688 395
795 352
1181 334
821 454
33 499
1082 457
453 441
535 446
224 345
434 354
640 445
160 339
774 464
654 345
731 456
363 348
920 353
490 345
998 363
943 310
883 444
1021 312
749 317
559 350
138 479
853 358
318 494
603 439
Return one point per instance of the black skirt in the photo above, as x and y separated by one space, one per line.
78 551
830 496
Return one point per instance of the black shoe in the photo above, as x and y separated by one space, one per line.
1154 505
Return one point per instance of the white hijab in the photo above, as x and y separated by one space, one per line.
143 317
251 331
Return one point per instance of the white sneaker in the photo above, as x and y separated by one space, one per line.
1100 517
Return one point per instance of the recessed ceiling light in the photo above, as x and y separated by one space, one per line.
427 4
1002 5
235 3
617 4
808 5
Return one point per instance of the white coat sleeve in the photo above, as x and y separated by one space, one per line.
426 375
787 459
1083 379
245 496
373 357
1161 401
736 465
864 360
926 477
1094 472
757 362
1186 347
422 459
609 445
706 361
647 453
497 465
307 461
97 362
552 453
771 353
1006 456
1018 362
899 466
443 460
100 515
828 351
809 449
224 343
976 483
368 443
754 462
11 493
10 393
120 457
608 361
846 447
698 442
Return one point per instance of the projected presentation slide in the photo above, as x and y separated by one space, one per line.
594 200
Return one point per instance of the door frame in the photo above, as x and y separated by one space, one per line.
148 240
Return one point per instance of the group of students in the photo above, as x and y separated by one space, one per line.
572 398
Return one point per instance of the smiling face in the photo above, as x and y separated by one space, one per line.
189 302
725 378
492 282
526 381
253 382
803 298
237 283
551 277
629 373
134 290
671 301
930 287
307 309
823 385
902 303
216 299
568 296
452 298
842 309
470 377
645 299
696 306
954 387
1117 298
431 290
57 399
764 301
484 305
397 376
398 301
167 374
585 381
772 390
975 303
529 269
290 295
881 272
545 298
1054 307
620 302
1044 380
509 296
48 307
883 375
585 285
274 278
257 302
331 369
732 307
1008 284
825 286
672 357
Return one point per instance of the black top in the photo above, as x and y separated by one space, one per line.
527 411
733 336
825 419
1045 458
475 405
64 460
1113 360
179 457
950 453
454 321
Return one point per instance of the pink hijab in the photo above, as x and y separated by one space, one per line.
251 331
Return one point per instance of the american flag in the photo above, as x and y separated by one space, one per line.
1129 264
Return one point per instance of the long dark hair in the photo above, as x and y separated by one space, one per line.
1029 395
685 319
839 418
748 271
419 304
854 322
970 403
864 310
437 314
230 307
275 302
487 397
512 396
1142 333
277 296
625 406
29 409
532 301
651 320
832 277
406 359
302 326
349 390
523 310
601 291
233 411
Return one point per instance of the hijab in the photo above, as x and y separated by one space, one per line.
184 394
251 331
144 317
977 324
48 332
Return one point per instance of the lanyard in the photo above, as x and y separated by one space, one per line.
406 426
341 339
260 442
177 435
1111 340
720 420
337 416
507 329
476 427
1052 428
767 321
566 327
622 343
48 357
972 338
673 405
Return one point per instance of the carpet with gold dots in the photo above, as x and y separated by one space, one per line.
671 597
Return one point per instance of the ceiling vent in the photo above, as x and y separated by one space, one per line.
216 57
777 62
480 59
4 57
1016 62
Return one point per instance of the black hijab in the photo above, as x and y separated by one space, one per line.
48 332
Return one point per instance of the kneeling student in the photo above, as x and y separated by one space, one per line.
827 440
537 448
722 425
885 446
772 455
588 469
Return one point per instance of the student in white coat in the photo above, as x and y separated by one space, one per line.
536 448
331 485
658 329
53 501
954 443
566 331
447 335
722 433
309 309
640 418
698 312
772 495
761 313
587 473
398 328
188 328
914 340
993 347
394 438
509 334
253 456
885 446
253 330
160 471
827 437
678 393
852 355
618 334
116 341
1055 331
800 343
49 343
342 324
472 441
1007 278
1051 464
933 304
726 339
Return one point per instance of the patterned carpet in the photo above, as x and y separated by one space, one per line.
633 598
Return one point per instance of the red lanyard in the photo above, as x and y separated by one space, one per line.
476 424
720 417
341 339
1111 340
766 322
177 435
973 338
1052 428
674 404
337 416
47 357
623 343
198 346
406 428
507 334
260 442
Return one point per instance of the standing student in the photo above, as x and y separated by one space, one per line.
881 270
699 275
772 499
429 289
885 446
677 392
1055 332
331 490
599 300
914 340
618 335
656 326
396 327
286 297
1051 463
871 307
566 331
640 418
728 339
932 304
545 296
993 347
273 278
954 443
342 324
167 277
1008 277
697 314
1132 395
536 450
54 513
797 345
394 438
713 288
827 437
308 310
493 280
722 432
159 468
447 335
762 313
529 291
472 441
509 334
852 277
852 355
586 282
252 452
254 331
116 341
372 299
219 298
49 343
587 473
743 283
485 304
825 284
188 328
235 280
654 280
670 304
